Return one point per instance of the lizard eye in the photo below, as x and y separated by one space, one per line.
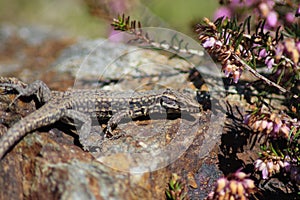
169 103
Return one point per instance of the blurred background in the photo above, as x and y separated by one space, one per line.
91 18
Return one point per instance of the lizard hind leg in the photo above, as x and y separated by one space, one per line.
38 88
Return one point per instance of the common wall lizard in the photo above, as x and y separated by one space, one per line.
87 104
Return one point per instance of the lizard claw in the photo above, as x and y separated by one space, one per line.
18 88
108 132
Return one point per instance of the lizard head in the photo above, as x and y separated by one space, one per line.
178 101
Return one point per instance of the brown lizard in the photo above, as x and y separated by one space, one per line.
87 104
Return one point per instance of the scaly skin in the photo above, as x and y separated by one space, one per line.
85 105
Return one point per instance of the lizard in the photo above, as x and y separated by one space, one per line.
86 104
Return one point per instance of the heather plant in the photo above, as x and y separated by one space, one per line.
234 186
176 189
266 44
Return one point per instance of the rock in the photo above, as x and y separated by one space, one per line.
50 163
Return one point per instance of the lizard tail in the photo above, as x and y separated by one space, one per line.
26 125
12 136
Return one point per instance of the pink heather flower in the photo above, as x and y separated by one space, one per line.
297 14
235 186
218 44
279 50
239 3
250 2
240 175
248 183
269 62
264 124
287 165
281 164
288 158
264 9
276 167
210 42
298 46
236 76
270 166
271 3
277 125
276 128
269 127
265 173
222 12
285 130
262 53
260 165
256 125
257 163
290 17
228 70
272 19
221 183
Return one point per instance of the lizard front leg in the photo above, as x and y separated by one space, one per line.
117 117
84 130
114 120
